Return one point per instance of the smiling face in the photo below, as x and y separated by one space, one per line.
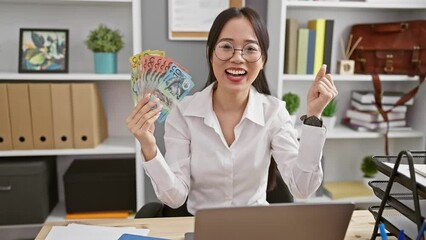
236 74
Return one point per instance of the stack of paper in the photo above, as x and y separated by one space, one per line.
90 232
420 169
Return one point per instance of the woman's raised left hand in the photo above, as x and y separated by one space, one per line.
321 92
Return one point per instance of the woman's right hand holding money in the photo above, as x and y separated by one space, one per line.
141 124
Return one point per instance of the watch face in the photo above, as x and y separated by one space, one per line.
313 121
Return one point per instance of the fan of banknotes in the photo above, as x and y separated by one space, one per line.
153 72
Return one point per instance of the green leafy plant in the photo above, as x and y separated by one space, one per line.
292 102
331 109
103 39
368 167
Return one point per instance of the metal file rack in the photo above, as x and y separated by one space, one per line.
403 204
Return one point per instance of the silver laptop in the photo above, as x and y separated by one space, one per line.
295 221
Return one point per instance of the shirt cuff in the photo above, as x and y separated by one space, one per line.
312 141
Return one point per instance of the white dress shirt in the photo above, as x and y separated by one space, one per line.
200 166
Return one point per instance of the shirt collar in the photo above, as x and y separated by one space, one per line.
254 110
201 105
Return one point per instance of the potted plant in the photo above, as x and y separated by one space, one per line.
328 114
292 101
368 168
105 43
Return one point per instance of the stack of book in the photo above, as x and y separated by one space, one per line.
308 47
346 189
363 114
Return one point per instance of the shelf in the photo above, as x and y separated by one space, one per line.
358 200
400 198
351 78
343 132
58 213
112 145
403 177
366 5
64 76
394 221
65 1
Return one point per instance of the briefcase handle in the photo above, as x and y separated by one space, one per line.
402 100
390 28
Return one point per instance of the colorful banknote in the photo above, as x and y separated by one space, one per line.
153 72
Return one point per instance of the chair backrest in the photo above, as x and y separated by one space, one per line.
281 193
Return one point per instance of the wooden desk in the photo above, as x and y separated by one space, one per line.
360 227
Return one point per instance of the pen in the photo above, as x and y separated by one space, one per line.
422 230
401 235
383 233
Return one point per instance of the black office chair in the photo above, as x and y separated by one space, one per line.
280 194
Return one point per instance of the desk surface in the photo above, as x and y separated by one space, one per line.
360 227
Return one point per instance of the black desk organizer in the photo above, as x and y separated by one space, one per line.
403 199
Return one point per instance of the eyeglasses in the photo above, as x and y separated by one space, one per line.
251 52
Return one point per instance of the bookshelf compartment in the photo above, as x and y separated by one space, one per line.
340 151
124 15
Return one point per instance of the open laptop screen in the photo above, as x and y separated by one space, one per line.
295 221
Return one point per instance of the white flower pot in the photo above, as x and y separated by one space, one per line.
329 122
366 180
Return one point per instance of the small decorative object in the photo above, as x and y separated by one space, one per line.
368 168
328 114
105 43
346 66
292 101
43 50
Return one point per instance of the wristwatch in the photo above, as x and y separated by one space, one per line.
311 120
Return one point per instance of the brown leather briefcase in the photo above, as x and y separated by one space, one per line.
390 48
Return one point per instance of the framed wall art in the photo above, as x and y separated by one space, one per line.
191 20
43 50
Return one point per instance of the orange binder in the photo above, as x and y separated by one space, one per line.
62 115
89 121
20 116
106 214
41 115
5 132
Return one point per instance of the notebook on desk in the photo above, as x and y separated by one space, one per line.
295 221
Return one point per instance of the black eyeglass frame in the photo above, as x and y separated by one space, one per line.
239 49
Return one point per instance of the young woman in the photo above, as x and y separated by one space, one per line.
219 141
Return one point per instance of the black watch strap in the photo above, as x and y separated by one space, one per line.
311 121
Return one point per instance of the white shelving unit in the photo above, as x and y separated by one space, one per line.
80 17
344 147
64 77
111 146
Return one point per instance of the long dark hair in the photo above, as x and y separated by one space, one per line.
262 35
260 83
